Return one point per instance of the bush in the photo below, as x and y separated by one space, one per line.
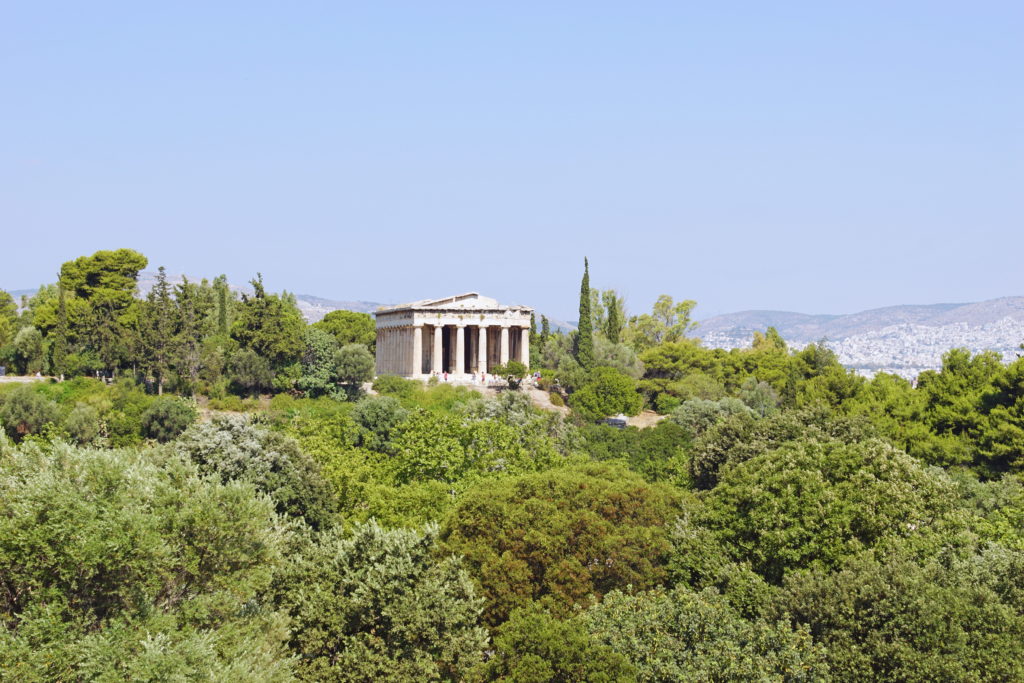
127 565
808 504
25 411
563 536
378 604
533 646
379 415
658 453
606 391
697 415
393 385
683 635
232 448
894 619
250 373
83 423
353 365
166 418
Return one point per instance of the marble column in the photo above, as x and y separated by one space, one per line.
459 366
406 350
503 359
438 350
417 350
482 350
524 347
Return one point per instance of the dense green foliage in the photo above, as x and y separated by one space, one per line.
562 537
533 646
682 635
208 493
379 605
125 565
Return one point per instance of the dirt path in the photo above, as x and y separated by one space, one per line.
646 419
542 400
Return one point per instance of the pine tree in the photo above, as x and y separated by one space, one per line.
585 334
191 315
158 329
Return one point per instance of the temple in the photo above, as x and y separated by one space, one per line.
459 335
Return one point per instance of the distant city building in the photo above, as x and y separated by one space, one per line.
459 335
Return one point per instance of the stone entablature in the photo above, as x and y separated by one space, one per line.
460 336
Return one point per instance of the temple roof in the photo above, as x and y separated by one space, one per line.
461 302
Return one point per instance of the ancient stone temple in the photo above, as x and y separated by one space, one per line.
460 335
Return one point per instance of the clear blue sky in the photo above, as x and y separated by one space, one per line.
811 156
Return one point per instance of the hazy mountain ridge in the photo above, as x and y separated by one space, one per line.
901 339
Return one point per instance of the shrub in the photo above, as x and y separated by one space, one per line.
127 565
25 411
697 415
563 536
890 618
83 423
166 418
232 448
250 373
379 415
378 604
607 391
393 385
534 646
683 635
809 503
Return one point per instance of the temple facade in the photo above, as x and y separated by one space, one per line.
460 335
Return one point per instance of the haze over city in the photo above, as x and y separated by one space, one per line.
808 157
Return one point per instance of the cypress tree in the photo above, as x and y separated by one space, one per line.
585 334
221 285
545 332
614 321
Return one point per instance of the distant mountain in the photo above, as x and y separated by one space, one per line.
901 339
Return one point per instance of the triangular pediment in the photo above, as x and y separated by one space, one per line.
464 302
467 300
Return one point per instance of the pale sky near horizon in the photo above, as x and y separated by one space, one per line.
807 156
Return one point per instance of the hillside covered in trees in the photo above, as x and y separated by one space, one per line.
210 493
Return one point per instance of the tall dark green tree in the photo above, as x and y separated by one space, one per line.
106 281
220 286
192 309
158 327
59 347
585 334
545 332
270 325
613 325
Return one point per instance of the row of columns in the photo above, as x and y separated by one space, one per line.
400 350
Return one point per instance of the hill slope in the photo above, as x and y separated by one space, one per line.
900 339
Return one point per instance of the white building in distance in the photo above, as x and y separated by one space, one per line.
459 335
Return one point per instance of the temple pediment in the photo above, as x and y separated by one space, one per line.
470 301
